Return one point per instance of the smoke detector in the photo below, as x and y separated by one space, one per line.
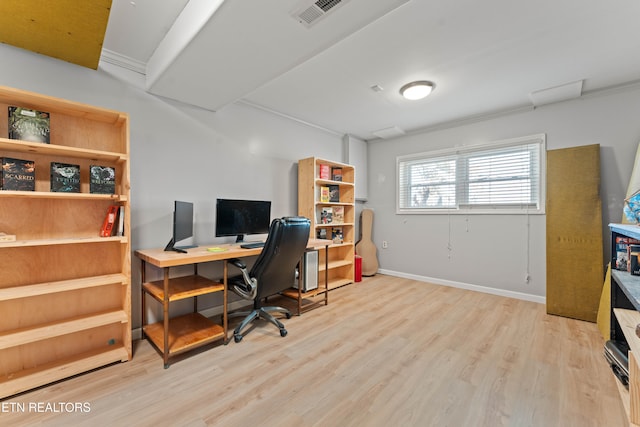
308 14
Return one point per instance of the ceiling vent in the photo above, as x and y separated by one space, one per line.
309 14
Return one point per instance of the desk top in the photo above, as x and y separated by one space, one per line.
161 258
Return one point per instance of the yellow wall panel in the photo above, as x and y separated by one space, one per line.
575 266
70 30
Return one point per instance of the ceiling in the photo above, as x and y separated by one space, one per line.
485 58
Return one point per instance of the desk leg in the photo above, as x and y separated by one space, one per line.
165 310
300 280
326 275
224 301
143 270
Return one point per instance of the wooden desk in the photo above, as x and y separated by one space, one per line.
183 333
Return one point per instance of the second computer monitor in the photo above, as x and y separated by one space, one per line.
236 217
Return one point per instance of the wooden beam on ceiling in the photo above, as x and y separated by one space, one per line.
69 30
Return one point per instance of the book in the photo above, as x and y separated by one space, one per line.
334 193
623 252
338 214
326 215
324 194
336 235
109 221
120 227
18 174
336 174
322 233
324 172
65 177
102 179
28 125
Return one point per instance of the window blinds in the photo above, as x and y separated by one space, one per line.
505 176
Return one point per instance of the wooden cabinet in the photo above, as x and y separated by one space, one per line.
625 316
65 292
336 263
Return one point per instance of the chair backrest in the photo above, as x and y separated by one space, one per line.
276 265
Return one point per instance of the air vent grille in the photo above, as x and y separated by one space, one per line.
308 14
327 4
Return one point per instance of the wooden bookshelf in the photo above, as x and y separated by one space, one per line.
340 255
65 292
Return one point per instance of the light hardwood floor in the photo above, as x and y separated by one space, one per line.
384 352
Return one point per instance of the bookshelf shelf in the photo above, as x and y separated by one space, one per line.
53 242
19 146
65 292
17 292
71 365
67 196
55 329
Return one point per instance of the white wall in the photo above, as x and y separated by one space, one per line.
182 152
491 253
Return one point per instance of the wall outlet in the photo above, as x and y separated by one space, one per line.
385 244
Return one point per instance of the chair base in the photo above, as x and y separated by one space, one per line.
262 313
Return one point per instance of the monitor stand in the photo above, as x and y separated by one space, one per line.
171 247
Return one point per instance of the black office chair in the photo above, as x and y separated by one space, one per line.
273 271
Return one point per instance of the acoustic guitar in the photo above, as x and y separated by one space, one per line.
365 247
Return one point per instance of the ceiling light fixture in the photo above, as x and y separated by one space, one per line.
417 90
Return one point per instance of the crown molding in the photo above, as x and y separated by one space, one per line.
123 61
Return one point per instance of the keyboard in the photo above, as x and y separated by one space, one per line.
252 245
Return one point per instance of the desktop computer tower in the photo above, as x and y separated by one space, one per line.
310 271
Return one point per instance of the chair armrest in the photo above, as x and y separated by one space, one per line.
250 287
236 261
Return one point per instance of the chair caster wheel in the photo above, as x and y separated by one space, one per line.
283 332
237 338
287 315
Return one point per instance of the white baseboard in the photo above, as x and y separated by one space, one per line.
484 289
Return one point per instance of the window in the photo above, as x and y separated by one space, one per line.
501 177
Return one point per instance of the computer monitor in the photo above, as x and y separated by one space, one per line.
241 217
182 226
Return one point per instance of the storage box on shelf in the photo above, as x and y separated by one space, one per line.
65 292
312 178
625 316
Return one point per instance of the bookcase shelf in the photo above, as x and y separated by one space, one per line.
51 242
68 196
19 146
17 292
55 329
65 292
340 256
71 365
